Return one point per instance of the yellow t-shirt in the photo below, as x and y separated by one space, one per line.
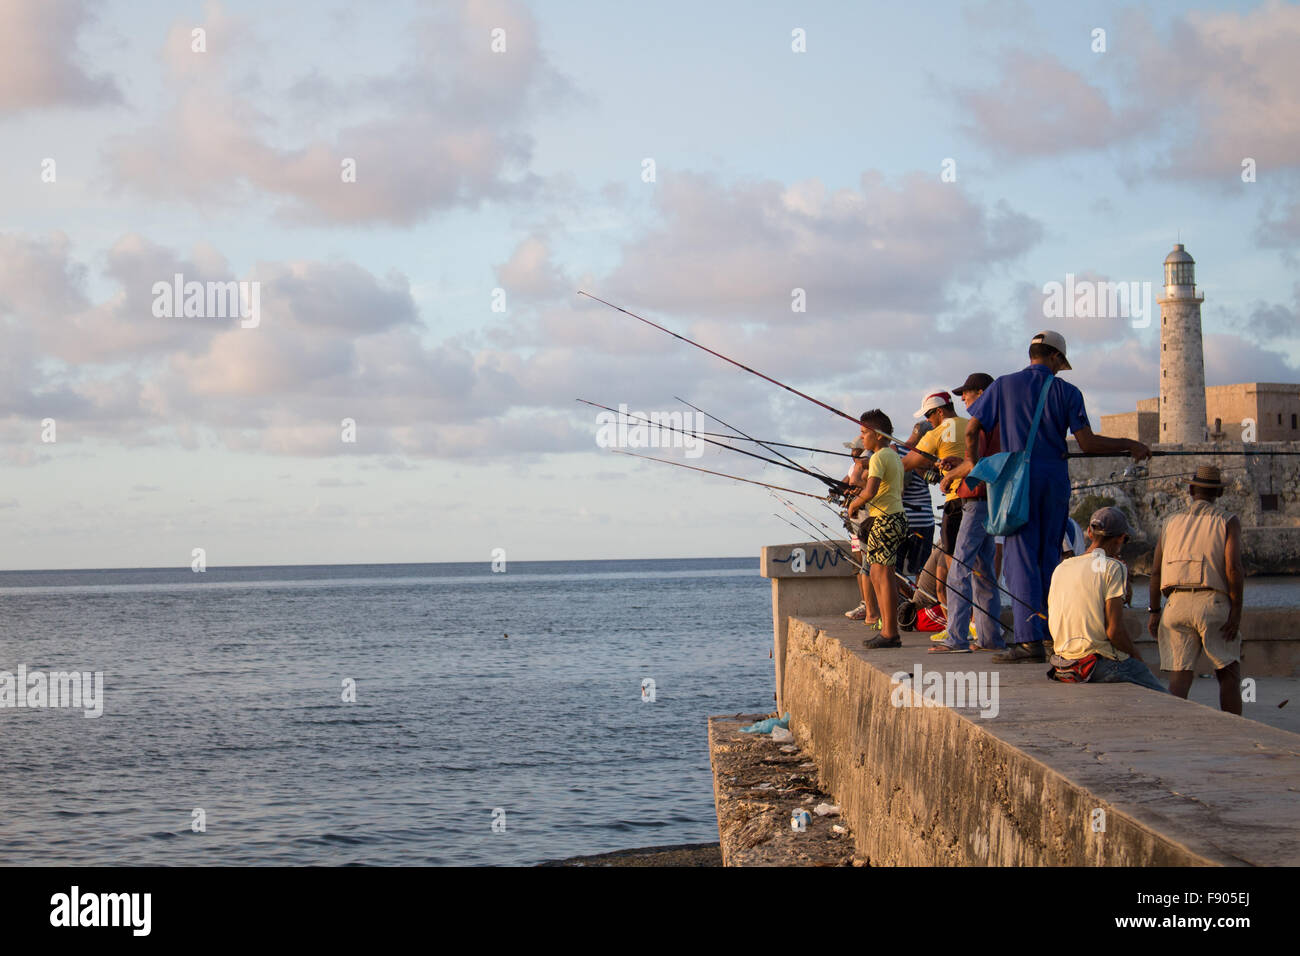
1076 605
946 441
888 467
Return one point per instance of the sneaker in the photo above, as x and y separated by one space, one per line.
859 613
874 624
940 635
1028 652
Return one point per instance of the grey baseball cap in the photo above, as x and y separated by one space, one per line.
1109 522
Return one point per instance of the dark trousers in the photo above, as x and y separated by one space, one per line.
1031 554
916 550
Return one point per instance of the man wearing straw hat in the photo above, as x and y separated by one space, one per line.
1197 565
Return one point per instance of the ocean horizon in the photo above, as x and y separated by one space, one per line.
227 736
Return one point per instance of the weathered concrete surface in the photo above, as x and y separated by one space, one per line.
1270 636
756 787
1179 783
827 585
1276 703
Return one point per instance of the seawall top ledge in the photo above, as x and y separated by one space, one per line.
819 560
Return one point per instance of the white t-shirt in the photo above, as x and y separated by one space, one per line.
1076 604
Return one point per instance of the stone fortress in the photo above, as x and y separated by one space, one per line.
1235 427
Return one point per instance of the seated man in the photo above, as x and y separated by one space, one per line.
1085 611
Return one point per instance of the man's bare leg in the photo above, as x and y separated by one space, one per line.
1180 683
869 599
882 576
1230 688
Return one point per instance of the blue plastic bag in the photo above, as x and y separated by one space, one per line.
765 726
1007 477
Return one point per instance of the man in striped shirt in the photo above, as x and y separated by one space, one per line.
919 511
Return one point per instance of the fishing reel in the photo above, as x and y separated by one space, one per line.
1135 471
932 475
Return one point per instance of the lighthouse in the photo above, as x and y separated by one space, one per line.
1182 356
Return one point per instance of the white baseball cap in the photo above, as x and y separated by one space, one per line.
1055 339
931 402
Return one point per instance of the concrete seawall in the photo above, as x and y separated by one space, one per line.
1270 636
1037 773
1178 784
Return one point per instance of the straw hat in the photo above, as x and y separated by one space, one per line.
1207 476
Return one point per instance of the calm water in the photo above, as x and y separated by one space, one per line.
223 692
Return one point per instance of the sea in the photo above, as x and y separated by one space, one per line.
407 714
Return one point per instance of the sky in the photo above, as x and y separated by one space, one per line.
417 191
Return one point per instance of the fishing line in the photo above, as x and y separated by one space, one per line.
779 444
748 481
822 477
1125 480
770 461
939 548
834 544
767 378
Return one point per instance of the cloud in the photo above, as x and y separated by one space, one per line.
1204 92
39 57
736 253
447 128
1268 323
530 273
893 272
1229 360
1233 79
1040 107
44 289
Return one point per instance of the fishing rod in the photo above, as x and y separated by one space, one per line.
771 461
915 586
820 477
862 568
1130 474
779 444
939 548
1172 454
767 378
707 435
720 474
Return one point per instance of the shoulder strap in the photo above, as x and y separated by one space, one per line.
1038 413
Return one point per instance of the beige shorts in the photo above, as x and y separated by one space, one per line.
1190 621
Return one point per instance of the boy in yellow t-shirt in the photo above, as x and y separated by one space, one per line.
883 498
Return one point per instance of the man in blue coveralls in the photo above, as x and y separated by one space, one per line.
1031 554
